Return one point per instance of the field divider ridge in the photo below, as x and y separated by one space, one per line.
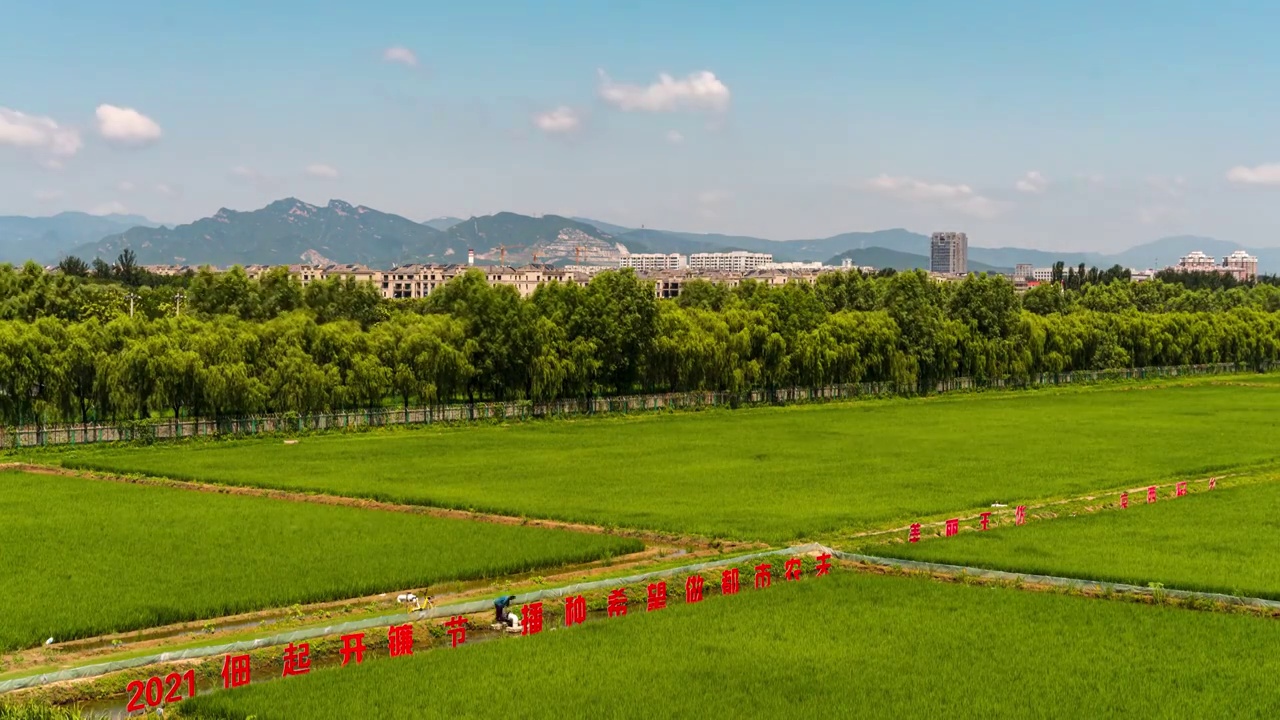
480 606
1103 496
467 608
366 503
1102 586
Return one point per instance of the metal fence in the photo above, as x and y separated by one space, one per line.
172 429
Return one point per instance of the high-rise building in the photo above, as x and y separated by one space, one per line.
1023 271
1241 264
949 253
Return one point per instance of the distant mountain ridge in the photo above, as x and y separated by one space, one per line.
442 223
46 239
1155 254
878 257
286 232
290 231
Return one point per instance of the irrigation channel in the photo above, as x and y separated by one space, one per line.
114 708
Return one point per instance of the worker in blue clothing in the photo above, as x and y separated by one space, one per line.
500 606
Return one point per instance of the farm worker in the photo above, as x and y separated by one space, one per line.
500 609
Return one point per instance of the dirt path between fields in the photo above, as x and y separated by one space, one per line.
1091 503
647 536
78 652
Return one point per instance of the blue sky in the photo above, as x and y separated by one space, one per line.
1086 125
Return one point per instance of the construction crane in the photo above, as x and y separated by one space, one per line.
577 255
502 252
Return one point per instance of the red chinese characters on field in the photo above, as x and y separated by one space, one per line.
531 619
400 640
1213 483
235 671
352 646
1180 489
986 520
575 610
824 564
1124 501
1020 515
693 589
764 578
618 603
156 692
729 582
793 568
297 660
1151 494
915 533
456 626
953 527
657 596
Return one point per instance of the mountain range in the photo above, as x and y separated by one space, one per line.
46 239
291 231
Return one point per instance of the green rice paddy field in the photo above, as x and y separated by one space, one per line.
769 474
1226 540
847 645
83 557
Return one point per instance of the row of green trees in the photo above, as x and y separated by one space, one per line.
240 347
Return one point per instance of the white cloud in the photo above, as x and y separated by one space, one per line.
400 55
674 137
113 207
562 120
245 173
125 186
959 198
1173 187
1034 182
126 126
45 196
1267 174
698 91
320 170
50 142
165 189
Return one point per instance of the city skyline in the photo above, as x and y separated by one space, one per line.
1051 128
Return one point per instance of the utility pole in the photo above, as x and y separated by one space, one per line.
177 303
131 297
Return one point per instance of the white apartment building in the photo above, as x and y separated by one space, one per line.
1196 261
794 265
650 262
1241 264
1022 271
1042 274
736 261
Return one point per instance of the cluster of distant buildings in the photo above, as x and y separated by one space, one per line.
949 256
1239 264
670 272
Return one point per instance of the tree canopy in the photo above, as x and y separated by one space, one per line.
219 344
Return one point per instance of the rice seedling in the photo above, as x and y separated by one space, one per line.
1220 541
848 645
82 557
774 474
